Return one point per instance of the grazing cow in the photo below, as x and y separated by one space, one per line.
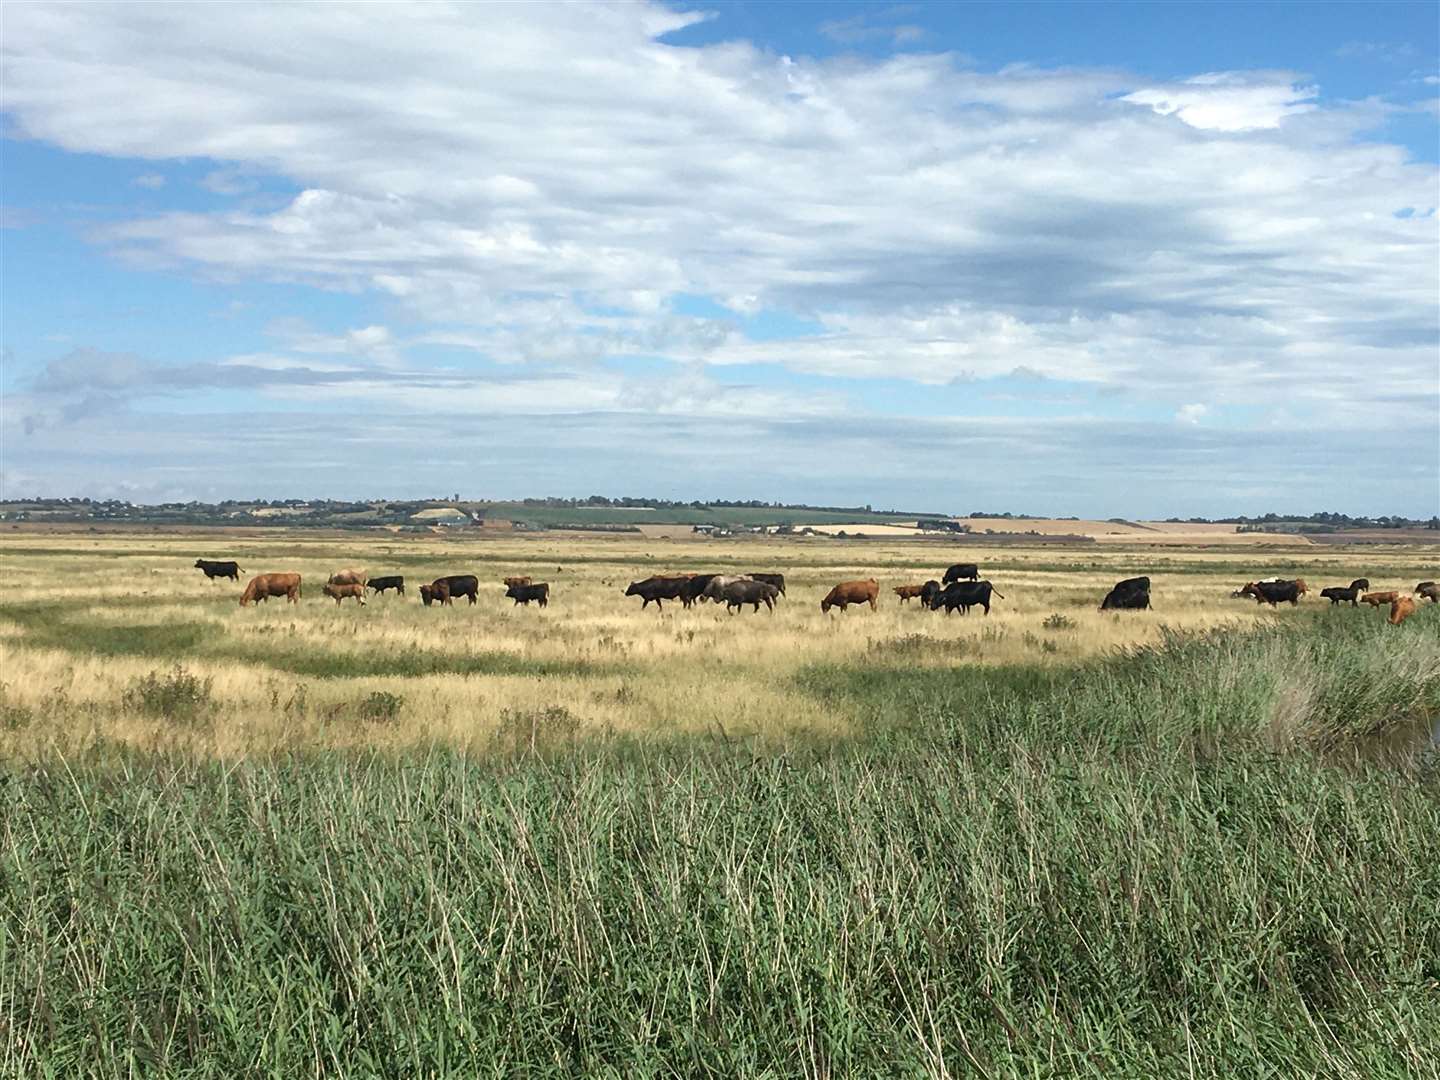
467 585
1401 608
1132 594
1360 584
380 584
754 593
960 570
1336 595
341 591
908 592
852 592
511 581
437 592
215 569
264 586
657 589
523 594
1378 599
1429 590
1273 592
778 580
965 595
694 588
348 577
929 591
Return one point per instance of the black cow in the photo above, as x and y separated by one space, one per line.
694 588
929 591
965 595
380 584
1429 590
1360 584
459 585
214 569
739 593
1132 594
960 570
1337 595
523 594
1273 592
778 580
657 589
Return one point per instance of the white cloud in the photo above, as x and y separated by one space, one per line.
1220 238
1192 413
149 181
1229 100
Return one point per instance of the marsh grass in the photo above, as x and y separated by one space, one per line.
884 845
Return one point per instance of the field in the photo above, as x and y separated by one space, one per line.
593 840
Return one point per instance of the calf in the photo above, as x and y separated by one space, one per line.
1401 608
908 592
739 593
715 587
967 570
435 592
215 569
341 591
1377 599
380 584
1360 584
523 594
694 588
852 592
965 595
510 581
1337 595
349 577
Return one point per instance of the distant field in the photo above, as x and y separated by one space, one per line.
82 619
1202 841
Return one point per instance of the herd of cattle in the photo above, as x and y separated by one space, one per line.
1276 591
959 587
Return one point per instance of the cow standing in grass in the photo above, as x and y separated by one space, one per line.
852 592
345 591
216 569
264 586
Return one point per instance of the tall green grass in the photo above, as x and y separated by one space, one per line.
1017 874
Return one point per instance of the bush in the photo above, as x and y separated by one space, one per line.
381 707
174 695
1058 622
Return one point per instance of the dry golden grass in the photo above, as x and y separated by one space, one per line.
83 617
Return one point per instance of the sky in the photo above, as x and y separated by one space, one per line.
1138 260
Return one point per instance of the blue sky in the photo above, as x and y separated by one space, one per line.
1104 260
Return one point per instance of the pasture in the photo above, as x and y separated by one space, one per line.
84 620
1202 840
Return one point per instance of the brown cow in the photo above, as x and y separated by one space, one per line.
264 586
349 577
908 592
1375 599
436 592
852 592
511 582
341 590
1300 587
1401 609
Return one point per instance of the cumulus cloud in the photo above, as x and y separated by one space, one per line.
1220 238
149 181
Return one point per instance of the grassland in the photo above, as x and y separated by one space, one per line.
1199 841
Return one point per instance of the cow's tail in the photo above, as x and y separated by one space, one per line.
997 592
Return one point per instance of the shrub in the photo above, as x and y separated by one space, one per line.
1058 622
175 695
381 707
